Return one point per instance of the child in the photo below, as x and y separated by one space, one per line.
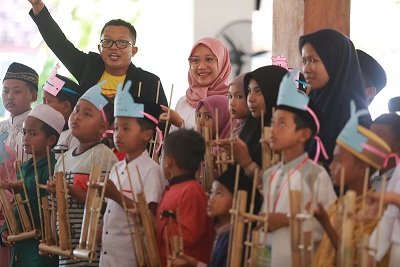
206 115
293 124
184 199
90 118
135 125
387 126
62 94
20 86
237 104
218 208
41 129
357 150
7 173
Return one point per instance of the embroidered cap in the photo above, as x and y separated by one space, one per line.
48 115
361 142
18 71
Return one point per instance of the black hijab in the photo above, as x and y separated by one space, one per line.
345 83
268 79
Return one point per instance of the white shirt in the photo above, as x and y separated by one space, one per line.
187 113
117 248
302 174
66 142
13 125
389 225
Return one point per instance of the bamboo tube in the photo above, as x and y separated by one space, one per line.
254 248
237 238
169 106
347 249
209 161
47 237
53 215
25 221
140 89
249 226
232 211
37 192
27 224
8 213
295 226
62 209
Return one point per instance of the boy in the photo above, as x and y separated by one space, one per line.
41 129
387 126
89 120
135 125
293 124
218 208
62 94
357 149
20 86
183 207
113 64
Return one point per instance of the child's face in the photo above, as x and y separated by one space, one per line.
129 137
342 158
206 70
283 131
205 119
86 122
61 106
219 202
313 68
255 99
117 59
237 102
17 97
34 136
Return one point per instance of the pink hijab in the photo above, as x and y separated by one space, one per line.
196 92
220 103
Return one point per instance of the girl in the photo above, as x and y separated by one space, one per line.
237 104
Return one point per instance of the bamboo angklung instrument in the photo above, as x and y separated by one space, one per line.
59 219
169 112
174 243
362 240
27 229
86 249
153 256
134 224
153 141
208 174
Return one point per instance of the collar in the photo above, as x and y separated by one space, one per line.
40 163
293 163
20 118
223 229
180 179
135 160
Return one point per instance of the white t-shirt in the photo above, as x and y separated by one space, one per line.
66 142
187 112
117 249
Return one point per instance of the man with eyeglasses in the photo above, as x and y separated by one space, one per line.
113 64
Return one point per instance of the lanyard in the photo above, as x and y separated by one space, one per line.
277 197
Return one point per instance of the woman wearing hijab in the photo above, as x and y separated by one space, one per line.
209 70
261 90
332 71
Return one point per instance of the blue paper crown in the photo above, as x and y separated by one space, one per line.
4 156
125 105
289 95
350 135
94 96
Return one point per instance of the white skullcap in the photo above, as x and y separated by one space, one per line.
48 115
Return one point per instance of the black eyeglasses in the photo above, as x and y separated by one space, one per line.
106 43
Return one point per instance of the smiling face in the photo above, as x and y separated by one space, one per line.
203 65
17 96
117 60
255 99
86 122
313 68
237 102
219 202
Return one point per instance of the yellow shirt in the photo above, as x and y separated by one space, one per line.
110 87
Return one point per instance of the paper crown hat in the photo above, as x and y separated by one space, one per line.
94 96
361 142
56 83
127 105
294 100
48 115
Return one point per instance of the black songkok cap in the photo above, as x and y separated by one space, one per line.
372 71
18 71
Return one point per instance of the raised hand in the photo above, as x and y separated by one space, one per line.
37 6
